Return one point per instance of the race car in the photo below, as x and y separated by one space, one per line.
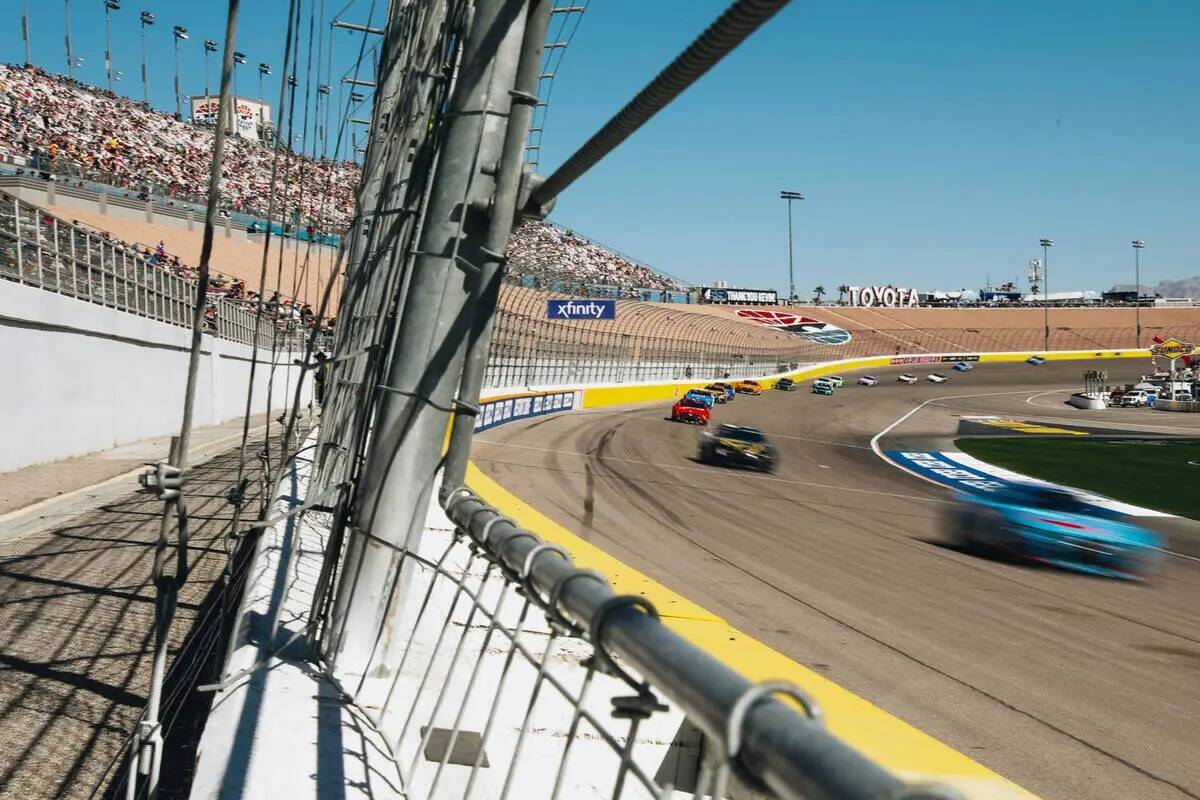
906 378
836 380
717 394
868 380
691 411
727 388
748 387
963 366
785 385
1053 525
935 377
737 446
822 387
1035 360
700 395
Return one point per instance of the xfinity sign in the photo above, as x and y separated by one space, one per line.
581 309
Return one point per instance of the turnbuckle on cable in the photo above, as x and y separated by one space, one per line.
164 481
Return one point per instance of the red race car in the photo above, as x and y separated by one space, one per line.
690 411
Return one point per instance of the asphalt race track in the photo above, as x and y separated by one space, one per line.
1074 687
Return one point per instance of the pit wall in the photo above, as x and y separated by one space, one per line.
80 378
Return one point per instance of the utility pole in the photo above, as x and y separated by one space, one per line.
790 196
147 20
180 34
1138 244
109 5
1046 245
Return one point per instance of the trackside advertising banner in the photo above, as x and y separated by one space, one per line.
536 404
581 309
934 359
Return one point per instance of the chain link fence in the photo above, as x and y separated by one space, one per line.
41 250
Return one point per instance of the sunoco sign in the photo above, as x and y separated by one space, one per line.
1173 349
884 296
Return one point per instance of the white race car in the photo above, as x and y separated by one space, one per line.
868 380
836 380
906 378
934 377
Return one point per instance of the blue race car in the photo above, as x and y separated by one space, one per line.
963 366
700 396
1056 526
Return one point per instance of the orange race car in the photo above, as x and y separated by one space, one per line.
748 387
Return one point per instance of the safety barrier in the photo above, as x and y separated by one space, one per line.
39 249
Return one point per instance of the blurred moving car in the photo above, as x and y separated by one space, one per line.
1053 525
963 366
906 378
1035 360
1136 398
935 377
822 388
748 387
785 385
836 380
868 380
738 446
693 412
702 396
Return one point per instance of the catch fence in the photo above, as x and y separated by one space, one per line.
39 249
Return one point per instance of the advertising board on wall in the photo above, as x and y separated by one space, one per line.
883 297
753 297
934 359
252 119
524 406
581 309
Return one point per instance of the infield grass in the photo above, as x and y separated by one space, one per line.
1162 474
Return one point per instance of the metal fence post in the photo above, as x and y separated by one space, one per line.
504 205
427 357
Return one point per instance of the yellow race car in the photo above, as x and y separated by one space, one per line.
748 387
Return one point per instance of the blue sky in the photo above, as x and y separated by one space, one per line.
936 140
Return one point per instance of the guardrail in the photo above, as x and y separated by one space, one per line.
41 250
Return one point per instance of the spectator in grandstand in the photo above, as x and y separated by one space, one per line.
83 131
551 254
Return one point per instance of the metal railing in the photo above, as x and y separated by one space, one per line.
41 250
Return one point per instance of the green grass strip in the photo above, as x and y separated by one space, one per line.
1163 474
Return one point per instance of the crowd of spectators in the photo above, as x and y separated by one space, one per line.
52 119
552 254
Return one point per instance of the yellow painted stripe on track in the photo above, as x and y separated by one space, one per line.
888 740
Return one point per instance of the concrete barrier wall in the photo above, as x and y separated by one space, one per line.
78 377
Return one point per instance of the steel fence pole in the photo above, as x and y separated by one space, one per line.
503 208
427 356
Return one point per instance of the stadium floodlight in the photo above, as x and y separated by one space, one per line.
1138 244
789 196
356 97
67 24
292 80
179 34
210 46
264 68
147 19
239 58
109 5
323 88
1046 245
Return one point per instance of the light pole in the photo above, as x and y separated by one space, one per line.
180 34
147 19
25 32
70 56
1046 245
1138 244
263 69
210 46
790 196
109 5
238 58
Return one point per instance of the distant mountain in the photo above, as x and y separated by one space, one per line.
1185 287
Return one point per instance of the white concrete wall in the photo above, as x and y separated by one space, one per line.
78 377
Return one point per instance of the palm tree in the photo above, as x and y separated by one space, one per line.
842 291
817 292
